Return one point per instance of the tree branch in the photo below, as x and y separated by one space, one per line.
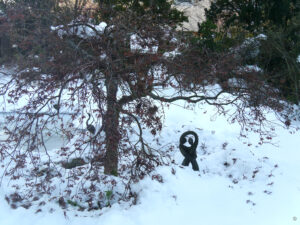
190 99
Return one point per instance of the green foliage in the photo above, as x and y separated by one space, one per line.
72 203
108 195
207 33
75 204
279 20
253 15
216 40
159 9
114 173
278 56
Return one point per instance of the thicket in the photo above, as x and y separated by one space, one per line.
231 23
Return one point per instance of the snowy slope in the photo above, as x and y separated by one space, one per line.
239 183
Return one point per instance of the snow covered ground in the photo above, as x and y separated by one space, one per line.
239 183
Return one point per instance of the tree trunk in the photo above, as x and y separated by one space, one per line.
112 128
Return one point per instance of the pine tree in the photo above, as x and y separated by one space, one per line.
253 15
159 9
278 20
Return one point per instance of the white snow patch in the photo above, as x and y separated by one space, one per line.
171 54
253 68
146 45
83 31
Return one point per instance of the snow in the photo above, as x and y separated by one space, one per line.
147 45
251 46
251 68
83 31
171 54
217 194
261 37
